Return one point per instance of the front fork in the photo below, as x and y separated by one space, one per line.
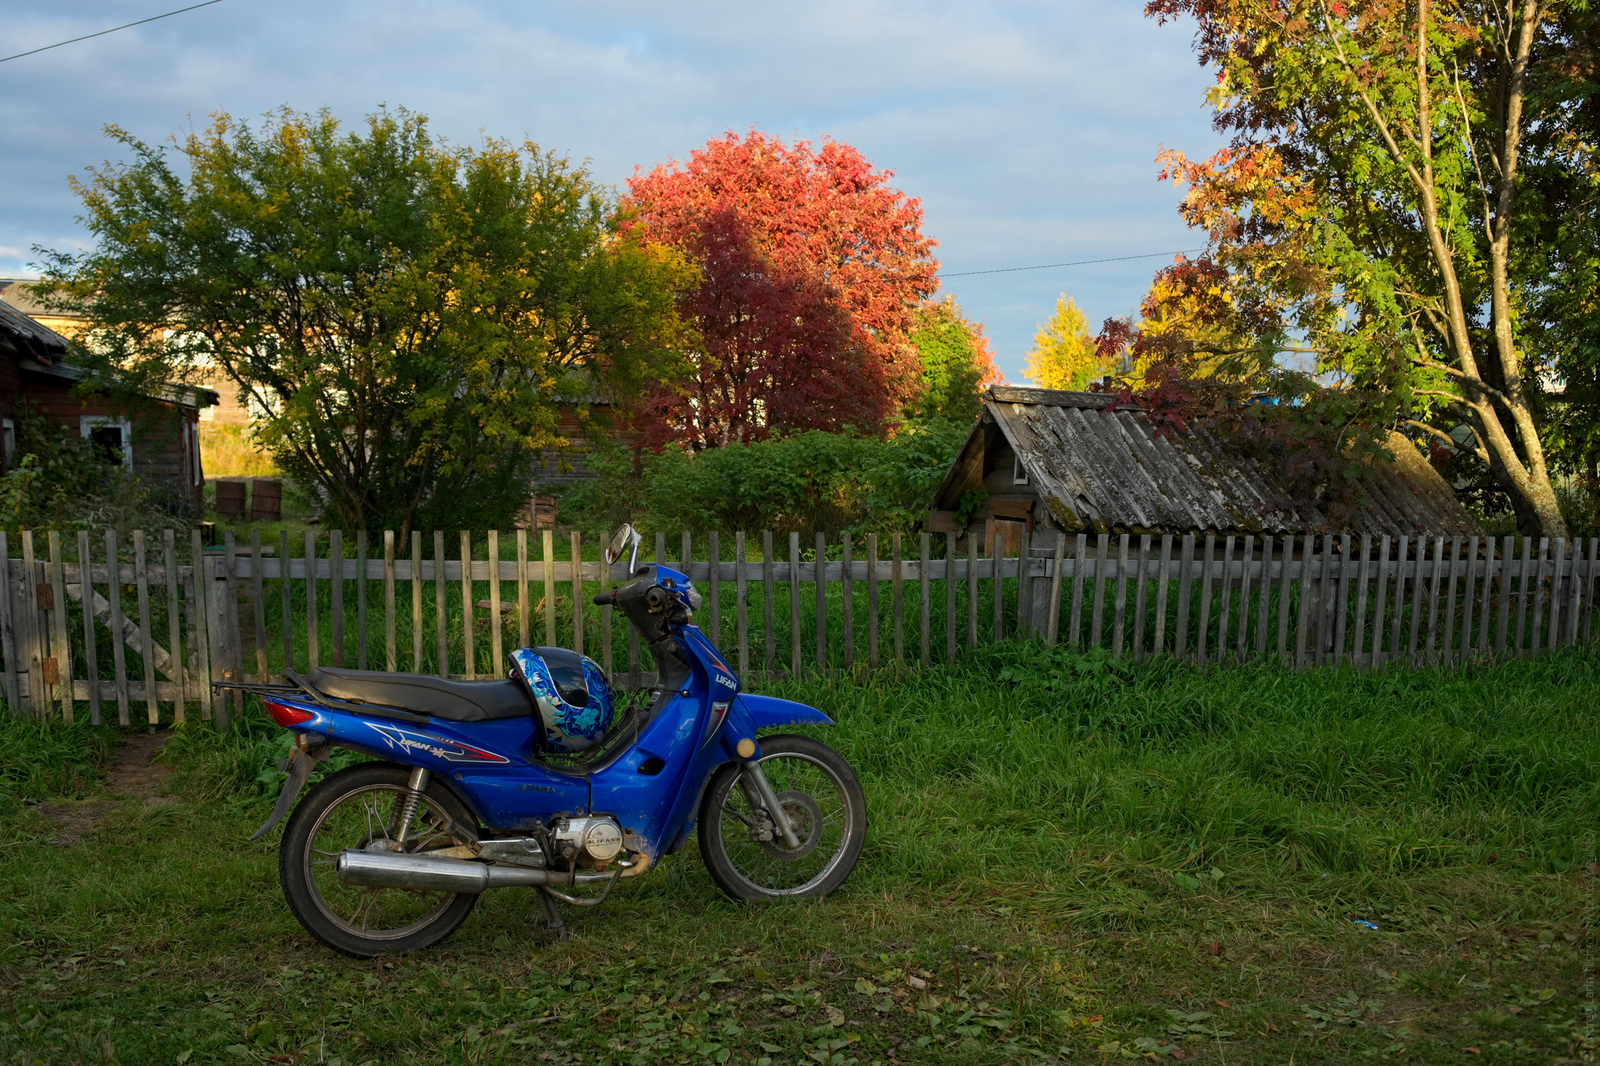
758 790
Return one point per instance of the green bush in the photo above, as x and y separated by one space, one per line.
811 481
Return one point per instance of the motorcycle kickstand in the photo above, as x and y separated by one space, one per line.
554 924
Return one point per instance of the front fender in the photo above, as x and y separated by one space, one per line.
767 711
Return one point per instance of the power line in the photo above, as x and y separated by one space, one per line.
1081 262
114 29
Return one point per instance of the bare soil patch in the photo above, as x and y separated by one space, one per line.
135 771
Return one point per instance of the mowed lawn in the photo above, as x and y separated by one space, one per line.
1070 859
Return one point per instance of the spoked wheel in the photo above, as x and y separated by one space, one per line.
748 858
361 808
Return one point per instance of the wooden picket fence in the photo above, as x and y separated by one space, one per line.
106 622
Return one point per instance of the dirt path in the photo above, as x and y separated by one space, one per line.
133 774
134 771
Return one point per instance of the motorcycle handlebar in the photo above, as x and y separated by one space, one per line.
605 598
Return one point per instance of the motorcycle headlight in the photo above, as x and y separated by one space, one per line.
694 597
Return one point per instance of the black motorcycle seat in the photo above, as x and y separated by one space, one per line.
436 697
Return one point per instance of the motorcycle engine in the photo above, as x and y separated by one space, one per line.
590 842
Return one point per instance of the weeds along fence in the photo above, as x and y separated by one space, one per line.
143 625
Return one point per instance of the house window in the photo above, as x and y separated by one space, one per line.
1019 473
8 441
112 438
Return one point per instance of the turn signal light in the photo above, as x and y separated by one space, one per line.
287 716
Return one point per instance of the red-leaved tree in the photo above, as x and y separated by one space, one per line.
811 270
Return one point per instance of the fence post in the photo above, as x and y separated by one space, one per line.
222 620
8 632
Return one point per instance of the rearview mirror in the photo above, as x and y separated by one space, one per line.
627 540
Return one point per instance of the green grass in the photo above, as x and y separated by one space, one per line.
1071 858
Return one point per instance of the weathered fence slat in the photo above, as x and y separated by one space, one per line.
1180 635
114 590
147 651
1358 647
794 604
1376 658
91 650
997 582
897 578
361 599
1469 588
1557 573
1308 597
336 597
548 546
1225 603
1121 605
496 636
9 643
468 627
769 570
416 601
740 583
1080 568
1538 594
1264 596
972 592
821 550
1139 595
524 619
1342 605
441 634
258 614
1203 631
949 592
872 601
199 623
389 651
847 600
60 644
926 589
1024 554
1053 625
1163 576
1097 611
577 586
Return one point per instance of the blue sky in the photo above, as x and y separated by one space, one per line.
1029 130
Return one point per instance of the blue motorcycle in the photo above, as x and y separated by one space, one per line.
537 780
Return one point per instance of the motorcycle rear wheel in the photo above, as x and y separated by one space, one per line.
823 799
357 808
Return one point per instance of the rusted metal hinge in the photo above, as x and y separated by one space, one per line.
50 670
46 595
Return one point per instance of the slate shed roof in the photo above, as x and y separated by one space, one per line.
1099 469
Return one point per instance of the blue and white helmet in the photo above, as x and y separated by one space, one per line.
572 694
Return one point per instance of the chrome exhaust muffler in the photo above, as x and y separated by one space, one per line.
368 869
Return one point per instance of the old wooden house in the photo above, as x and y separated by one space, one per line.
156 439
1053 463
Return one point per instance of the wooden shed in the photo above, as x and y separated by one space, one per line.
1055 463
160 441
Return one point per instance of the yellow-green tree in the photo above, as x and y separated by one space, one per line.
1064 354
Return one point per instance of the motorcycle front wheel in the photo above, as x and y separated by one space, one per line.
819 792
360 808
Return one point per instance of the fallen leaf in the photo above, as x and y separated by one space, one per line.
916 982
1514 1009
1472 1051
1221 1004
1492 859
1215 947
1594 869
